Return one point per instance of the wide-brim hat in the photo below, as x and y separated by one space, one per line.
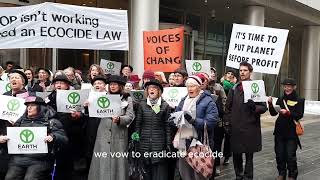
21 73
289 81
123 66
117 79
35 100
61 77
99 77
154 82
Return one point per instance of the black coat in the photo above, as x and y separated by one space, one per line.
245 123
285 126
35 87
153 128
45 119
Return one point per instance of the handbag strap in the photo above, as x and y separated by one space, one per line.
205 135
286 106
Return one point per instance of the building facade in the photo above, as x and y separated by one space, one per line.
208 25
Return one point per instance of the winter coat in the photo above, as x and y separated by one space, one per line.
112 138
285 126
45 119
206 112
245 124
154 129
34 87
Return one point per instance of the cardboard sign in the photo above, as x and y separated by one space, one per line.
254 90
4 86
163 50
197 66
53 25
12 108
27 140
102 105
137 95
262 47
71 100
110 67
173 95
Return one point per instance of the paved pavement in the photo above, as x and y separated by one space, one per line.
265 163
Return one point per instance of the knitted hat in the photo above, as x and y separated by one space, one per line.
148 75
194 80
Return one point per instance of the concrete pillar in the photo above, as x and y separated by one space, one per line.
254 15
309 79
144 17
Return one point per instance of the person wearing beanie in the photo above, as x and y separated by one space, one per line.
240 116
112 136
290 112
229 79
199 109
181 76
37 166
146 77
154 130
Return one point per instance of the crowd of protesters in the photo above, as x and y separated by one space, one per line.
75 137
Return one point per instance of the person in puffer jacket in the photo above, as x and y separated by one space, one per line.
37 166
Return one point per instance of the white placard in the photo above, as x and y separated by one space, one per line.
110 67
12 108
197 66
102 105
4 86
254 90
173 95
71 100
262 47
86 86
43 95
53 25
27 140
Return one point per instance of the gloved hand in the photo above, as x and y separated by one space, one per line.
251 105
188 117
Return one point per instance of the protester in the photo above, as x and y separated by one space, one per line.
129 86
153 128
18 80
37 166
2 72
99 85
71 123
162 78
229 80
71 75
44 78
181 76
171 80
112 136
9 66
32 85
134 78
213 75
286 139
199 108
245 125
94 70
126 71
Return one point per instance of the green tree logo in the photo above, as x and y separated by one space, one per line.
255 88
110 65
74 98
138 95
173 93
197 66
103 102
13 105
26 136
8 87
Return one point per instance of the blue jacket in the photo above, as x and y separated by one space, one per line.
206 111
